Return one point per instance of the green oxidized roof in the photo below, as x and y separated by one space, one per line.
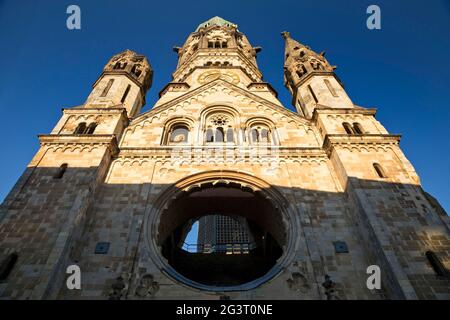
216 21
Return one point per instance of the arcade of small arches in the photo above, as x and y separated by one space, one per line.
83 128
354 128
220 125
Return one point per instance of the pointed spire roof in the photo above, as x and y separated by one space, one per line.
291 45
216 21
295 52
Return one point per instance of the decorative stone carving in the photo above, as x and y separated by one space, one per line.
147 286
330 288
117 289
217 34
219 119
209 76
316 65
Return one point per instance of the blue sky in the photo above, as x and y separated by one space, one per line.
402 69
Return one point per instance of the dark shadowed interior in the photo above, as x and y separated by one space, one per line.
227 264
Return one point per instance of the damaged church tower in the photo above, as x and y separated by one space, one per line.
315 196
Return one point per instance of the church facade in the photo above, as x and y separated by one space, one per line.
326 190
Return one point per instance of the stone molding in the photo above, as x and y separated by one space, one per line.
208 88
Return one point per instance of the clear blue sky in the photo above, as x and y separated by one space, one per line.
403 69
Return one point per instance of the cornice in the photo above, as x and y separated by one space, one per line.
332 140
76 138
322 109
193 152
113 110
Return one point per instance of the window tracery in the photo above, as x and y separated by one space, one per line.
219 128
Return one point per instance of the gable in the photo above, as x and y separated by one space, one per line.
148 129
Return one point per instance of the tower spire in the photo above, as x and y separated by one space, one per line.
310 78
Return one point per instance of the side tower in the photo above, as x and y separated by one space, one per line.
404 231
311 79
59 184
124 81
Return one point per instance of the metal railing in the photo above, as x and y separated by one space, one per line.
227 248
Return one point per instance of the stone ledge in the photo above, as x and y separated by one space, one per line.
77 138
359 139
115 110
322 109
231 151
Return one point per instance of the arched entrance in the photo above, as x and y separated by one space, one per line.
231 202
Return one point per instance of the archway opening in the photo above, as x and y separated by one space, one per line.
221 235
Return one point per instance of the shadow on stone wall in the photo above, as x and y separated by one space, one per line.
52 223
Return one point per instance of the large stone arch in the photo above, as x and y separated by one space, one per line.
286 218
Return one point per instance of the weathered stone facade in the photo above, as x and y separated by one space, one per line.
327 174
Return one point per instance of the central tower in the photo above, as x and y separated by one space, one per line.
216 50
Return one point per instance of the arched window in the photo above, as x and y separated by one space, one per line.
120 66
357 128
61 170
255 135
91 128
220 128
264 135
81 128
219 135
136 70
179 134
209 135
217 43
348 128
301 71
230 135
379 170
260 133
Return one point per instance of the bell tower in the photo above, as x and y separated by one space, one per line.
216 50
71 163
124 81
311 79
